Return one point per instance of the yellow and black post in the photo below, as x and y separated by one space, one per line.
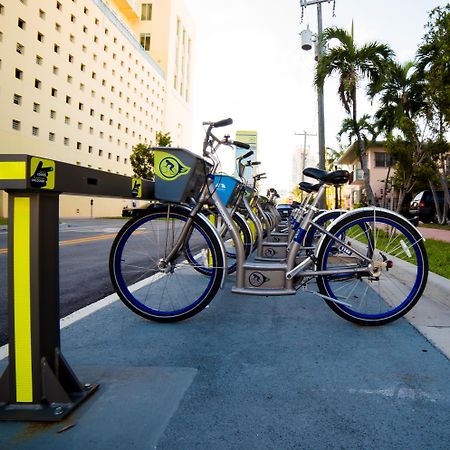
38 384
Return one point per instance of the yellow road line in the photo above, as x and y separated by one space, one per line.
76 241
87 239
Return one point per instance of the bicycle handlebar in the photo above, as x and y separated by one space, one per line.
222 123
241 145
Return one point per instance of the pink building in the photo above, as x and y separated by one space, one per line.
378 162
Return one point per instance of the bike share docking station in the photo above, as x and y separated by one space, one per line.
38 383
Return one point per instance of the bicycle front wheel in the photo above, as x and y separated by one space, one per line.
387 267
166 291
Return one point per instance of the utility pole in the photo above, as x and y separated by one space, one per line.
320 107
305 135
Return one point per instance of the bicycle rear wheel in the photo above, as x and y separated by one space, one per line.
396 274
160 290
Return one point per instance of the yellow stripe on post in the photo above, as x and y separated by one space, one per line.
22 300
13 170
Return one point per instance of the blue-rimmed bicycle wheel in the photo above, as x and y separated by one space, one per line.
396 274
166 291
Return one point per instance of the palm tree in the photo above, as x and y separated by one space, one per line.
352 64
401 95
401 107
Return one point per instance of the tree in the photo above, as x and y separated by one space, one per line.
163 139
433 61
402 110
433 64
401 94
142 156
352 64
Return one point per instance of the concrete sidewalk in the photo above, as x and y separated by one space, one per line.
253 372
435 233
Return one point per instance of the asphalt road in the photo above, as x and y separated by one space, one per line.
84 275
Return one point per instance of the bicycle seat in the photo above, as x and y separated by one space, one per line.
309 187
336 177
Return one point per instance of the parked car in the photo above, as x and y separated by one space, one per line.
424 208
132 211
284 210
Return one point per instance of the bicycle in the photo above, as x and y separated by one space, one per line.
370 264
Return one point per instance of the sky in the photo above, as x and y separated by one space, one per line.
249 65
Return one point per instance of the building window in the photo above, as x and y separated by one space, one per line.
35 131
66 141
90 149
54 92
68 99
36 107
78 145
52 114
145 41
382 159
55 70
51 136
57 27
42 14
67 120
37 83
16 125
21 23
40 37
58 6
39 60
56 48
20 48
17 99
146 11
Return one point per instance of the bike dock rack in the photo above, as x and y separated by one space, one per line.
38 383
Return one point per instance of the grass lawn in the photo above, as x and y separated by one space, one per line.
438 257
433 225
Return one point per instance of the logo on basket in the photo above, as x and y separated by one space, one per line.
257 279
170 168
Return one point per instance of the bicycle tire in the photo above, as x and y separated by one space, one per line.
178 291
399 272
